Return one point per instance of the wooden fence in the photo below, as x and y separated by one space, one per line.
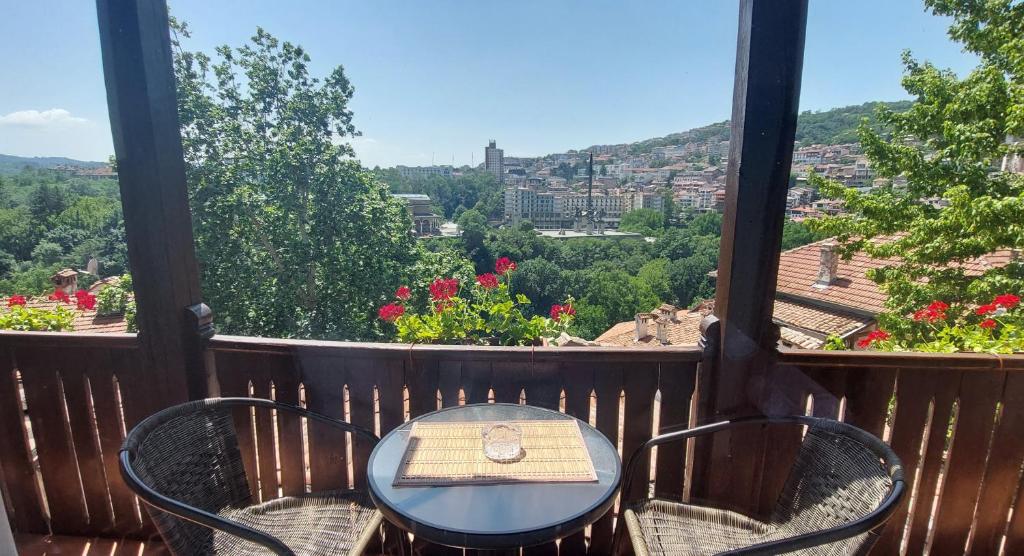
957 422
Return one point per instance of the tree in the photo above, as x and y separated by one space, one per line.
945 146
474 231
540 281
655 275
689 281
644 221
48 200
294 237
795 234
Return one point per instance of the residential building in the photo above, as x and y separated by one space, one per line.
424 171
494 161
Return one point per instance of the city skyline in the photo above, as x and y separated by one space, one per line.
433 84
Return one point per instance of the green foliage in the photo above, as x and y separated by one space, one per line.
839 125
997 327
113 299
648 222
296 239
27 319
484 313
834 343
795 234
473 189
945 146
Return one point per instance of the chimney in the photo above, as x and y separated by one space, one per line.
829 265
661 330
641 326
65 280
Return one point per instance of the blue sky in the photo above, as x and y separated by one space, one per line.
436 79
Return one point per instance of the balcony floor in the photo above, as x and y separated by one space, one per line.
53 545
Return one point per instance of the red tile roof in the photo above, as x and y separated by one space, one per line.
86 320
798 270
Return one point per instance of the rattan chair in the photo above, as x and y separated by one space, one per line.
844 485
185 463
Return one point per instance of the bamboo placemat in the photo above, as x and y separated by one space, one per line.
448 454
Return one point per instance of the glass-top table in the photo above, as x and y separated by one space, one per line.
498 516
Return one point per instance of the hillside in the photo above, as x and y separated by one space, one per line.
14 164
827 127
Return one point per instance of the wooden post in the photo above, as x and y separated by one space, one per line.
139 73
769 61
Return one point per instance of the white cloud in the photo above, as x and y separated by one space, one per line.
40 119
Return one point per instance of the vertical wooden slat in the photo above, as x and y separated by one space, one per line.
1002 479
868 392
578 381
676 383
40 372
944 394
233 376
507 380
86 443
608 382
286 385
449 378
1015 530
140 398
324 379
390 382
542 384
787 395
266 441
421 376
640 383
914 390
476 380
20 488
979 392
360 402
101 380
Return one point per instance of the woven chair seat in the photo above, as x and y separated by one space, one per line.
664 527
330 522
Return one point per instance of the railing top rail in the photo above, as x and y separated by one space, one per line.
10 338
481 353
876 359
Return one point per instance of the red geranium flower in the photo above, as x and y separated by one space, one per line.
86 300
60 295
390 312
558 310
986 309
872 337
1007 300
504 265
933 312
443 289
987 323
403 293
488 281
15 300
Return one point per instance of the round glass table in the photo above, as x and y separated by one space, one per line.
497 516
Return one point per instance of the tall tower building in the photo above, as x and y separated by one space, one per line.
494 161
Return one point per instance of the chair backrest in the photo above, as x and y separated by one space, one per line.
840 474
190 453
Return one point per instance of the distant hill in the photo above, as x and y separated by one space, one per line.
13 164
827 127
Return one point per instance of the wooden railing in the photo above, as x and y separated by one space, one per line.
81 392
957 422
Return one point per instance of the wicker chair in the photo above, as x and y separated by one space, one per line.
185 463
844 485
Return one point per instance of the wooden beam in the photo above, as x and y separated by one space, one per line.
769 61
138 68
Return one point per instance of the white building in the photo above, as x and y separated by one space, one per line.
424 171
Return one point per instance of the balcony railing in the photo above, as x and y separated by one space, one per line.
955 421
